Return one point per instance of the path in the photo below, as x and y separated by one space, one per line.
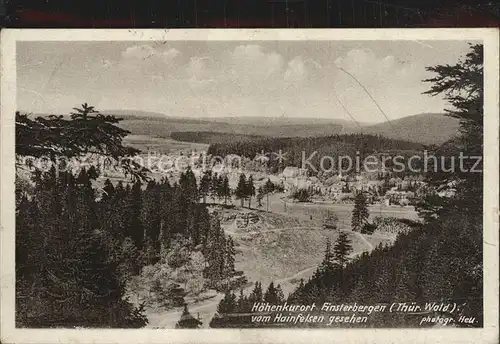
208 308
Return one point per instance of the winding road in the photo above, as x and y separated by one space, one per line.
207 308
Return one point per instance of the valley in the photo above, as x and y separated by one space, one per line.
279 240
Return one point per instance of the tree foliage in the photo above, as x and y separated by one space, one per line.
86 132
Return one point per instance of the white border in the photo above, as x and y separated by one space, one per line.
489 334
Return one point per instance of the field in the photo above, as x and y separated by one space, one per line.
161 145
283 248
315 212
280 255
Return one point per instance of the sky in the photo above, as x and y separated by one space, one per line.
247 78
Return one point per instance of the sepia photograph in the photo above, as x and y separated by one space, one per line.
237 182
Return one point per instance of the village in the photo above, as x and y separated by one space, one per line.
379 188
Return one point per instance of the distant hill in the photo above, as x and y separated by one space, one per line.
164 127
429 128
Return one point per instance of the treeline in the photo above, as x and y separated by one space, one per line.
211 137
236 311
313 149
64 233
72 248
422 266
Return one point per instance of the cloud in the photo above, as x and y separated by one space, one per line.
295 70
253 61
145 51
367 61
201 72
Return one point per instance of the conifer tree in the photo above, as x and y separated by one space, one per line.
242 304
298 295
260 196
280 296
216 185
271 294
151 217
360 212
328 263
216 243
108 191
76 277
341 250
87 131
206 185
188 186
135 228
187 320
226 190
250 190
228 304
241 189
267 189
229 253
462 86
256 295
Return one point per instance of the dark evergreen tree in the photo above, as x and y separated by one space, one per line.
241 189
216 243
242 304
271 295
267 189
341 249
187 320
250 190
206 185
280 296
360 212
229 253
226 190
87 131
133 210
228 304
260 196
328 263
256 295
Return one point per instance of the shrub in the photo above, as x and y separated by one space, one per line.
368 228
302 195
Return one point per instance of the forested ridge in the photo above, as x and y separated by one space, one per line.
360 142
300 151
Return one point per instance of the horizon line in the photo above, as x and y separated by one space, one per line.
161 115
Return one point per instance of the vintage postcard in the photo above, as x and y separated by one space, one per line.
253 186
